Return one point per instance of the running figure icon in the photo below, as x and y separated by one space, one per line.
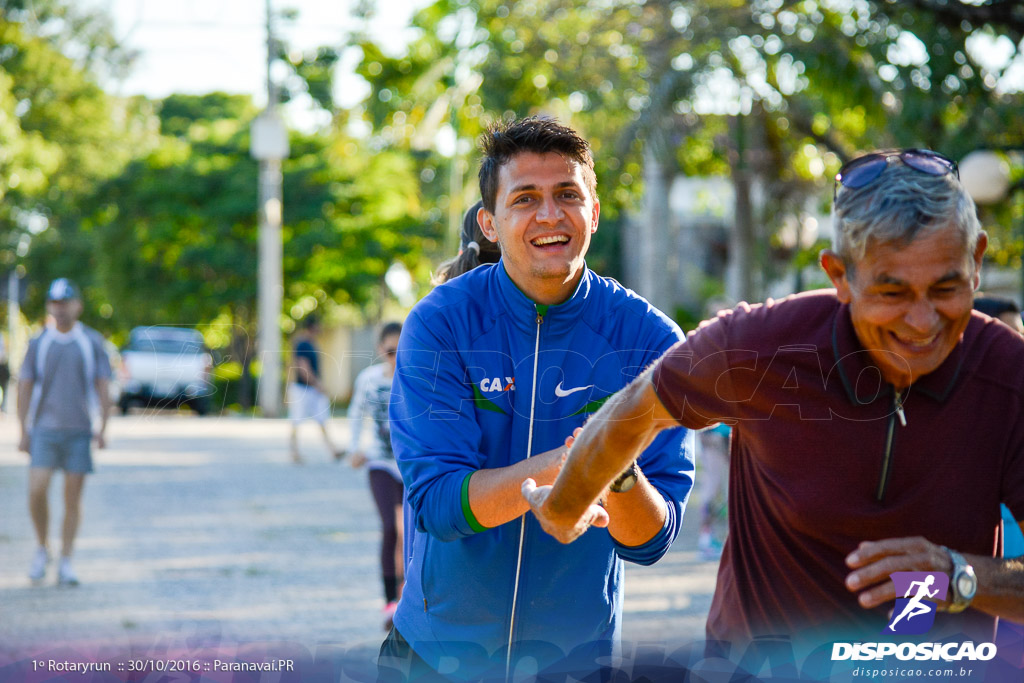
915 606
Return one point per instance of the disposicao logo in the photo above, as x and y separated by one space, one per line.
914 614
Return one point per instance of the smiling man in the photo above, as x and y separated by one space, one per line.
876 427
495 369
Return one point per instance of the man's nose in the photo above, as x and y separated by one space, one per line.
549 211
922 316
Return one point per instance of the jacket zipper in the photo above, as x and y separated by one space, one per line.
897 403
522 520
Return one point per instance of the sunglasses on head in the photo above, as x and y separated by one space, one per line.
862 170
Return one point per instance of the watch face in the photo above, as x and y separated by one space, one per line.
626 483
965 585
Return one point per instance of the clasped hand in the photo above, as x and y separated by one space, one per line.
565 528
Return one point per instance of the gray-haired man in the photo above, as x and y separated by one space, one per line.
876 426
63 403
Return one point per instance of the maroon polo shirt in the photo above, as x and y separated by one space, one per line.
820 461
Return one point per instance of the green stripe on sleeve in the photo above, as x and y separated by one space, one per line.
468 511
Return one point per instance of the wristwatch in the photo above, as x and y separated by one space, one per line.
963 583
626 480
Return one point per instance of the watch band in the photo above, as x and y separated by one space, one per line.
961 570
626 480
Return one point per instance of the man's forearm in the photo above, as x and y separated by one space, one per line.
610 441
24 398
103 392
495 495
637 515
1000 582
1000 586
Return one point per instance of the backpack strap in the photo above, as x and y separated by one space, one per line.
85 345
42 348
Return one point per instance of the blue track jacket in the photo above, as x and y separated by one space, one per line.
476 360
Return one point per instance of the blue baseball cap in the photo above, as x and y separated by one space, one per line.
62 289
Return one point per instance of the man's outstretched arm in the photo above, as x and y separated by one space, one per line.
609 442
1000 581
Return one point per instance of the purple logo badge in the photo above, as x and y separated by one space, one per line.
914 612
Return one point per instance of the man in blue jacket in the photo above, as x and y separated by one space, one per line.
495 369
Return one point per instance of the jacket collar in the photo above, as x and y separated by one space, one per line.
852 360
523 310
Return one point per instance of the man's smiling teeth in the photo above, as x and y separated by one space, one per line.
554 239
917 342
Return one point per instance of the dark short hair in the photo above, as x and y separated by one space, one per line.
389 329
309 322
995 306
537 134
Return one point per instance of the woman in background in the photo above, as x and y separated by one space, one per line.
370 397
474 249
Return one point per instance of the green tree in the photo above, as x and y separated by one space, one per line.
57 130
176 231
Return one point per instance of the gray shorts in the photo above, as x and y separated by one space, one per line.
69 451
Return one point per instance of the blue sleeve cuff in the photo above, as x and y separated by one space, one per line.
654 549
672 477
443 509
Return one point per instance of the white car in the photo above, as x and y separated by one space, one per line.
166 367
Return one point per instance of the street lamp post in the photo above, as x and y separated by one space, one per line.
269 145
986 176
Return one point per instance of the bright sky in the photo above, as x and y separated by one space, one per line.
199 46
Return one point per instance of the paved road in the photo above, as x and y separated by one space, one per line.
199 530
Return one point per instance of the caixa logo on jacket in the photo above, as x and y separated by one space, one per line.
914 612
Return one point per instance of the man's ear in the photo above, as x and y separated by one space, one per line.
979 254
486 220
597 215
835 268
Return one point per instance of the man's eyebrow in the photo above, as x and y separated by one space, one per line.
951 276
530 187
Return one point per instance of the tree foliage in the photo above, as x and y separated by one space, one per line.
178 227
152 205
58 136
816 81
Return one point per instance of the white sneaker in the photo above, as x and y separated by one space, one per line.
39 561
66 575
